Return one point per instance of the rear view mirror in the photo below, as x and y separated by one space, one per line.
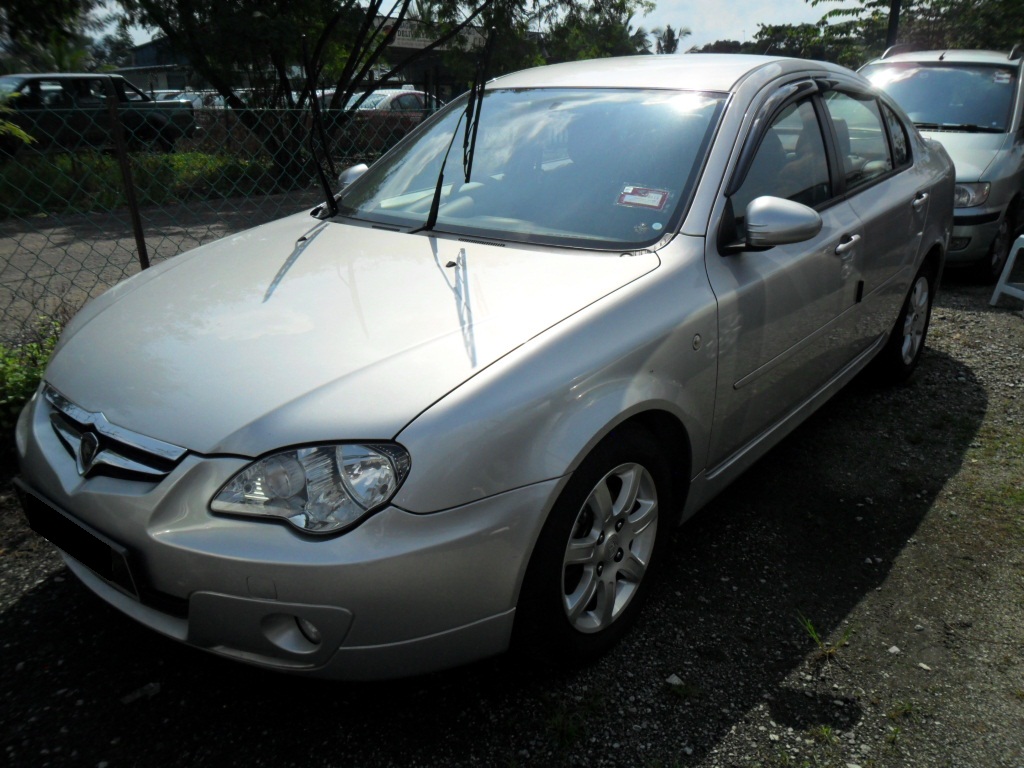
773 221
351 174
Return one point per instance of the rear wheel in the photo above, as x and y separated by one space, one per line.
897 361
590 570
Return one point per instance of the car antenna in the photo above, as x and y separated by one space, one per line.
330 206
471 115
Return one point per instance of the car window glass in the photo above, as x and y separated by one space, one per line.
790 163
408 101
134 94
89 93
898 136
863 146
598 167
950 96
51 94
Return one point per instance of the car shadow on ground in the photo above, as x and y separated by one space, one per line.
797 543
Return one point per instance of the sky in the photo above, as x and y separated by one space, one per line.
711 20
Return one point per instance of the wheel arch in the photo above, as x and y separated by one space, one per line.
671 436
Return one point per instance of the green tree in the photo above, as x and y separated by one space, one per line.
113 50
667 40
595 29
995 24
25 21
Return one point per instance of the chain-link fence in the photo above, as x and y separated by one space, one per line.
106 189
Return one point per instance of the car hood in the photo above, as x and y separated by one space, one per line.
972 153
302 331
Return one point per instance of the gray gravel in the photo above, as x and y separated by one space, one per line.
891 522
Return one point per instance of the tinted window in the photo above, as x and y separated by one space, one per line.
50 94
407 102
898 137
790 163
863 144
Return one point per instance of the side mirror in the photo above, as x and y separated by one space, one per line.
351 174
773 221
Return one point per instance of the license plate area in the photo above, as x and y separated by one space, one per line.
106 558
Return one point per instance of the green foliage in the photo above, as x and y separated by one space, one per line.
595 30
47 185
7 128
851 32
21 370
667 40
826 650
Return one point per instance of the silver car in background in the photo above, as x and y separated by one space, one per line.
464 410
969 101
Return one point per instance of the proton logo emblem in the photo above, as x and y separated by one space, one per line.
88 449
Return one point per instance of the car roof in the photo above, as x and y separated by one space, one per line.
694 71
951 55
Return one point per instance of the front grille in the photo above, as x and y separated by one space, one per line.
101 448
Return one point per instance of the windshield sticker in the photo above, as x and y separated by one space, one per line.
643 197
1002 78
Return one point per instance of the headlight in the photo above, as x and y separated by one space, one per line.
970 195
321 489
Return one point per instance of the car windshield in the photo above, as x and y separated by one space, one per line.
8 85
952 96
599 168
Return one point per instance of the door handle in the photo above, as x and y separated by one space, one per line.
848 244
919 201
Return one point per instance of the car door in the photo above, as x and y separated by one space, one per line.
778 309
889 195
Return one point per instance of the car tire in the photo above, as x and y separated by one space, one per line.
591 569
901 354
988 270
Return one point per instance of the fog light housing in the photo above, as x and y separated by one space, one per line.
308 630
959 243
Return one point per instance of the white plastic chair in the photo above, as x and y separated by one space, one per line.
1004 286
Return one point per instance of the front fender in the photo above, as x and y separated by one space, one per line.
535 414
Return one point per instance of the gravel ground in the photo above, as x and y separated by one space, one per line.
856 599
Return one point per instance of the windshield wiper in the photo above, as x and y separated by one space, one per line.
475 106
472 117
330 207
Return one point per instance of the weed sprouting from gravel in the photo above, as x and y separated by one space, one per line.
826 650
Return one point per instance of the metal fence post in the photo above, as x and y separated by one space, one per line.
121 147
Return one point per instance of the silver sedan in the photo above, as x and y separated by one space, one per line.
462 405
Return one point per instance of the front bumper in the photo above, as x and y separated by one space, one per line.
978 230
401 594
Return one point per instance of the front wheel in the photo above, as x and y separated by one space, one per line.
897 361
591 568
988 270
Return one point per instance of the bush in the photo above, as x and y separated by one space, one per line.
21 370
91 181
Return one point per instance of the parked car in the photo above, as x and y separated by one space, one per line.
71 111
394 100
970 102
377 121
466 410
